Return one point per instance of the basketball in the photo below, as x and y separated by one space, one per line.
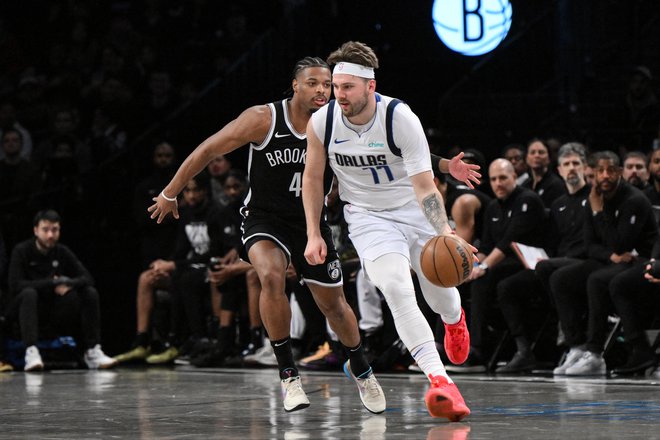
447 260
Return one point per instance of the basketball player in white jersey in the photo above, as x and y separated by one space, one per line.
274 225
381 159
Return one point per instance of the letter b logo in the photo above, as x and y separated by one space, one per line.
472 27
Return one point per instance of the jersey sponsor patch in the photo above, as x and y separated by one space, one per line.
334 269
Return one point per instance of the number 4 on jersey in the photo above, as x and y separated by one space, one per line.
296 184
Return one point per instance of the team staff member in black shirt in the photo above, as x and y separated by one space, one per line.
619 228
541 180
51 286
517 293
515 215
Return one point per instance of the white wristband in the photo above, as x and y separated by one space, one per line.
173 199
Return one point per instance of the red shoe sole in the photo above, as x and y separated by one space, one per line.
439 404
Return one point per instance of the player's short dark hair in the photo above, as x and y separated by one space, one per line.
308 62
48 215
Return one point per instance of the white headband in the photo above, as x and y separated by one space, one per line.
354 69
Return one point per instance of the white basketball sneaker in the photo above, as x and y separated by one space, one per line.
33 360
96 359
293 394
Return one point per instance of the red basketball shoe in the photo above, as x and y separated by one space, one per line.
457 341
444 400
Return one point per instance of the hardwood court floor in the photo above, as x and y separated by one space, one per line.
189 403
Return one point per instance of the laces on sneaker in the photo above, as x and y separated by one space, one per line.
371 385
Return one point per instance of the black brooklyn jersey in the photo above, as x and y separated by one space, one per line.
276 167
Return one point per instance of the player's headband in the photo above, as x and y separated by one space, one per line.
354 69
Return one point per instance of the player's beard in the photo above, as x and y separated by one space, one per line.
357 108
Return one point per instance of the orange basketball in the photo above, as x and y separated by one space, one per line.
447 260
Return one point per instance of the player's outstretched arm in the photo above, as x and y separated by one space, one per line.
312 193
251 126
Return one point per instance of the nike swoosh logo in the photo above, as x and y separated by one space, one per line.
280 344
337 141
277 135
561 208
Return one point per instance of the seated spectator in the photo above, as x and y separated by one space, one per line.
515 153
619 228
652 191
635 170
515 215
18 182
51 287
635 294
227 276
184 271
542 181
64 124
156 241
519 293
589 172
218 169
8 121
643 106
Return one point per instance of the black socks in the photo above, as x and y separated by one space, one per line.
284 355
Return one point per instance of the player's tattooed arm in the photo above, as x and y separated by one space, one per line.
435 213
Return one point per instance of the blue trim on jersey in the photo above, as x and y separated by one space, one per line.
389 116
328 124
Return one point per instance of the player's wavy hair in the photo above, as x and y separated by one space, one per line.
354 52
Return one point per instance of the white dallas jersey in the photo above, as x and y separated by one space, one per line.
370 175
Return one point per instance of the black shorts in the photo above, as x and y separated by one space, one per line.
291 236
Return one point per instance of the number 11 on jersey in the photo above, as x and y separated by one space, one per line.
375 172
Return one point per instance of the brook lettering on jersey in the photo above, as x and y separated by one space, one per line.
287 155
360 161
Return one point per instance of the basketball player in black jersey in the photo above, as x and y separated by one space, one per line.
274 230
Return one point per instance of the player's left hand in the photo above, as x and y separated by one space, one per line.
316 250
464 172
